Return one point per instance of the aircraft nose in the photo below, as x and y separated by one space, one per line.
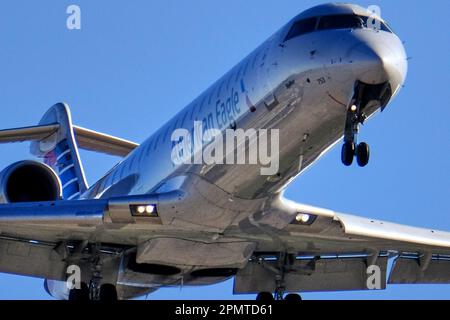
376 62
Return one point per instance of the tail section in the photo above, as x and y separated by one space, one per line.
56 140
59 150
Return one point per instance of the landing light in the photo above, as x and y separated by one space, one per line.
144 210
141 209
303 218
150 209
354 108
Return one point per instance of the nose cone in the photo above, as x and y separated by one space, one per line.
383 60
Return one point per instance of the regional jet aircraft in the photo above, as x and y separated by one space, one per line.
153 222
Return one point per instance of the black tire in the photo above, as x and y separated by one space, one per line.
81 294
264 296
363 154
108 292
293 297
348 153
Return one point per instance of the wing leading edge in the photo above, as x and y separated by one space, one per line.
375 229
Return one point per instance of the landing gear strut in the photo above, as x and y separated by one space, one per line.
350 149
97 289
286 262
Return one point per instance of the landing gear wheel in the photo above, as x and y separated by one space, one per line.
108 292
293 297
363 154
348 153
264 296
81 294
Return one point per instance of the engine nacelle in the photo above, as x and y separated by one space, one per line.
29 181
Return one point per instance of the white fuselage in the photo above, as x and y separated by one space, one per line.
302 87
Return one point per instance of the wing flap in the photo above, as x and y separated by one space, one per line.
422 255
309 275
31 259
409 269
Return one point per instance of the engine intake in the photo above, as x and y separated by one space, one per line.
29 181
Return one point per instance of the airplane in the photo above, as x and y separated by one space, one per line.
151 222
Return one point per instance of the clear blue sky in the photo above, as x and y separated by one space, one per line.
134 64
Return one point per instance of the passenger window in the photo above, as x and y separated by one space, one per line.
340 22
302 27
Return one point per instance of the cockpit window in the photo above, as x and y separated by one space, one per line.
302 27
374 23
340 22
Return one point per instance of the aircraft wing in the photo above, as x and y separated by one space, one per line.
332 251
322 250
329 251
373 229
37 238
423 255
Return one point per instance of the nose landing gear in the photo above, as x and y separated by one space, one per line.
362 154
350 149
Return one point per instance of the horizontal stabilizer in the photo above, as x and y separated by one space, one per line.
34 133
104 143
85 138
